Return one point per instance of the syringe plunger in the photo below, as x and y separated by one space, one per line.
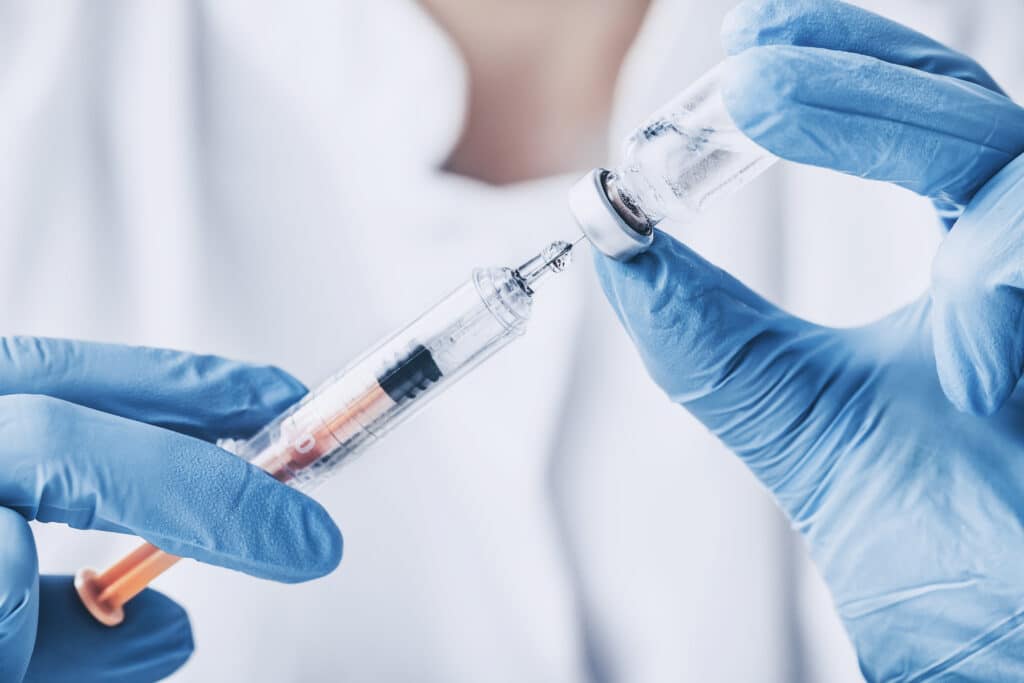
352 410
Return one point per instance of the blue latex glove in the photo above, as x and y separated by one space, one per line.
109 437
911 509
825 83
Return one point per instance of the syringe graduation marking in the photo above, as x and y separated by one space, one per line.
405 379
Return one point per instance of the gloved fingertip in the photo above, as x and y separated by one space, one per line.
154 641
765 22
19 571
254 395
300 541
759 91
611 271
163 642
19 565
976 307
971 378
326 544
740 27
606 266
641 284
19 595
283 390
973 390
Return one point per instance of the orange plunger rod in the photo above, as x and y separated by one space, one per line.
104 594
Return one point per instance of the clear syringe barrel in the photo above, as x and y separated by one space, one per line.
356 407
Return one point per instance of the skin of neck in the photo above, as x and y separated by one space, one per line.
542 80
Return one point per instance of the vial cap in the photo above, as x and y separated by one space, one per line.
601 223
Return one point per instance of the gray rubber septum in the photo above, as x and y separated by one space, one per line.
601 223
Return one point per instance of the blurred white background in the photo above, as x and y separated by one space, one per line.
286 182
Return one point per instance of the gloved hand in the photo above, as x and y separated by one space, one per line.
825 83
109 437
911 509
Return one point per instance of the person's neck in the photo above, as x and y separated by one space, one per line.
542 79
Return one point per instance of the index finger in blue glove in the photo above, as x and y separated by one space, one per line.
840 26
204 396
939 137
66 463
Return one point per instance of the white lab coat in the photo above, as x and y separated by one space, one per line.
259 180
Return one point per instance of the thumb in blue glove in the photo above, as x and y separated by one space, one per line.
910 508
825 83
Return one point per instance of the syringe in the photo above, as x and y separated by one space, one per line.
353 409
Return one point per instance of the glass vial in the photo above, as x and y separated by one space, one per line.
688 154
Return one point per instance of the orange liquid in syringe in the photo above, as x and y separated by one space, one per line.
104 594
